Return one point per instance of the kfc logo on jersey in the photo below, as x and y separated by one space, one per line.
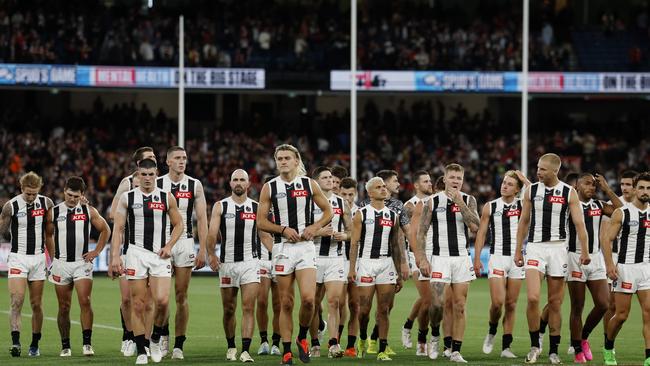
184 194
385 222
79 217
38 212
646 224
513 212
337 211
299 193
455 208
596 212
156 206
556 199
247 216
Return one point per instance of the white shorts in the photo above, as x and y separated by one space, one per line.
183 254
239 273
379 271
594 271
265 269
329 269
31 267
550 258
632 278
452 269
65 273
142 263
503 266
290 257
414 267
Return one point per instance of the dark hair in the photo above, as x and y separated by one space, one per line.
348 182
418 174
630 174
147 164
174 148
317 172
339 171
139 153
572 178
645 176
440 184
75 184
386 174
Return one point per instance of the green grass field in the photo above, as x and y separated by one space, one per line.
206 343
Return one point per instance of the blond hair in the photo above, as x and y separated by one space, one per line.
288 147
513 175
454 167
31 180
553 159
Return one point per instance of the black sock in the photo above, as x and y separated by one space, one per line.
447 342
553 344
455 345
155 335
140 343
264 337
147 343
585 334
534 339
435 331
15 337
351 341
575 343
321 323
493 328
340 330
383 343
302 333
179 341
332 342
245 344
87 334
542 326
315 342
422 335
130 335
506 341
231 342
375 333
65 343
124 330
276 339
165 330
647 352
363 334
408 324
287 347
35 338
609 344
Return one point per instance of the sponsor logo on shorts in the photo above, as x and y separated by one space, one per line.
38 212
247 216
56 278
337 211
576 274
226 280
532 262
263 271
191 256
79 217
455 208
646 224
556 199
596 212
626 285
279 268
156 206
184 194
436 274
299 193
365 279
386 222
15 271
130 272
498 272
511 213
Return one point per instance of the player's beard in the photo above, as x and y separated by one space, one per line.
239 191
644 198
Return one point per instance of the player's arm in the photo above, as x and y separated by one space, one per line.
469 213
119 221
211 240
321 201
523 178
49 232
613 227
421 259
200 208
398 251
123 187
266 239
480 238
608 208
263 222
101 225
354 246
579 221
5 219
347 225
522 228
177 223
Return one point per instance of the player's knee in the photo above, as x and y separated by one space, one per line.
458 308
139 306
287 304
64 307
353 306
511 306
496 304
533 300
622 315
84 302
181 298
126 303
36 306
17 301
229 309
248 307
334 302
601 305
308 303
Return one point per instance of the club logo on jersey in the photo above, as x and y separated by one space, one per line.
156 206
436 274
557 192
184 194
513 212
78 209
365 279
226 280
79 217
337 211
646 224
298 185
56 278
334 203
130 272
155 198
595 212
38 212
498 272
626 285
279 268
247 209
15 271
576 274
183 187
532 262
556 199
37 205
386 222
247 216
386 215
455 208
299 193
